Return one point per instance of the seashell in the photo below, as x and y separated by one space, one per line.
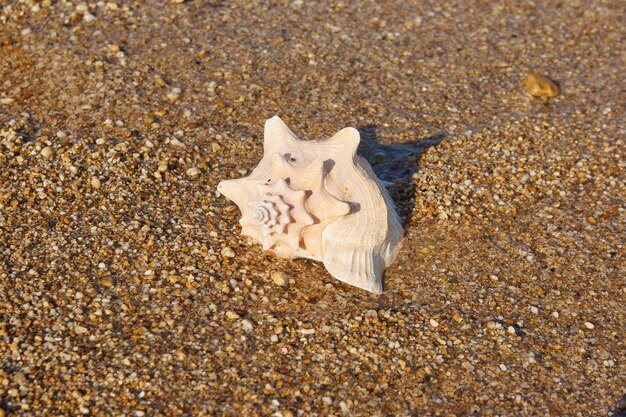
319 200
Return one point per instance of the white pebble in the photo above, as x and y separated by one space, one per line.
177 142
228 252
589 325
503 367
371 313
80 330
246 325
434 323
193 172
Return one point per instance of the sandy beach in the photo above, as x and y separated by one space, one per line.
126 288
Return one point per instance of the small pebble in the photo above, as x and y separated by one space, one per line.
106 281
95 183
232 315
371 313
246 325
503 367
47 152
589 325
177 142
193 172
228 252
279 278
80 330
163 166
538 85
468 366
434 323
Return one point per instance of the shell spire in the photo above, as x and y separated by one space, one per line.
319 200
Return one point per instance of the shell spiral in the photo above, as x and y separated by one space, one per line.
271 214
319 200
276 217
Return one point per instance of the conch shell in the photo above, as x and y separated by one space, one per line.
319 200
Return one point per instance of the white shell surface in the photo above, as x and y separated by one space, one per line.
354 228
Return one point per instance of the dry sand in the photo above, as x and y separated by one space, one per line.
118 292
